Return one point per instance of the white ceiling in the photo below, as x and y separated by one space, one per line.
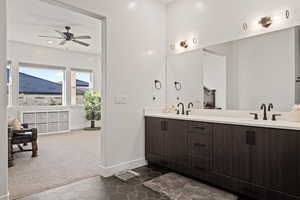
31 18
166 1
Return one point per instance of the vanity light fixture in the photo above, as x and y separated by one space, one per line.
178 86
184 44
266 22
245 26
157 84
287 14
195 40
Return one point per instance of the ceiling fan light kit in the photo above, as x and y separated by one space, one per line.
67 36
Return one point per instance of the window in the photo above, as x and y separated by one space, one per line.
81 82
8 83
40 86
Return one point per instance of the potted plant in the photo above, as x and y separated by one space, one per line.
92 105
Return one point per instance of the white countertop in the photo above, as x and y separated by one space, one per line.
280 124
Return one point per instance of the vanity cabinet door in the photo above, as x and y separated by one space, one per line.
231 155
154 139
176 145
275 160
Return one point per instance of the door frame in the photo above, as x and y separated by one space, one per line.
103 22
104 100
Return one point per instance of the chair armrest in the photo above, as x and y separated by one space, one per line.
25 126
21 131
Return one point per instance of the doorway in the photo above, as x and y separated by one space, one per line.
44 55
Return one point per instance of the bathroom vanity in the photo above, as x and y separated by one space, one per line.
254 158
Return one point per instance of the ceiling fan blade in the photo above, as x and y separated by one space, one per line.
54 37
81 43
83 37
63 42
61 33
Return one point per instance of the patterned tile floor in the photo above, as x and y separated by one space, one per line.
98 188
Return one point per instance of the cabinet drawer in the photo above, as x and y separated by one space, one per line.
200 145
200 168
200 128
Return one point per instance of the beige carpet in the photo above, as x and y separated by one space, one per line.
63 159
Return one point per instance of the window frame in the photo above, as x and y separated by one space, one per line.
91 83
48 67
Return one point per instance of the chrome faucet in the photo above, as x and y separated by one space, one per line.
270 107
190 105
264 107
189 110
182 108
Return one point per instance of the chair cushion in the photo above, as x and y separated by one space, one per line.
16 125
10 123
21 138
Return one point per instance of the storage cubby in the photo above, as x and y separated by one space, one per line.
47 121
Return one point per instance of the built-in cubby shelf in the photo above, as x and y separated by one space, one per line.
47 121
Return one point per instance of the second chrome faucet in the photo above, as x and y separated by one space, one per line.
181 105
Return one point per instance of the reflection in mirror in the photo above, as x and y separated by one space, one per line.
214 80
241 74
186 70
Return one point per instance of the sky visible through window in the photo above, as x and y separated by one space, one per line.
52 75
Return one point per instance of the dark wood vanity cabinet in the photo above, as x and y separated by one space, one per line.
262 163
167 143
275 160
263 157
231 154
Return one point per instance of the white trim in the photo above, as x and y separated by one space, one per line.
63 50
41 66
55 133
5 197
111 170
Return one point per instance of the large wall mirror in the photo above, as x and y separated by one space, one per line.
239 75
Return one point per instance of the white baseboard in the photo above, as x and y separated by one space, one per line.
111 170
5 197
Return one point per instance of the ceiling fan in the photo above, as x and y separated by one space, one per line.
68 36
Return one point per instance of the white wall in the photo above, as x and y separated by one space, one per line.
187 69
28 53
216 21
3 103
136 57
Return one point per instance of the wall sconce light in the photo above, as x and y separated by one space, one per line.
266 22
287 14
184 44
178 86
157 84
195 40
245 26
